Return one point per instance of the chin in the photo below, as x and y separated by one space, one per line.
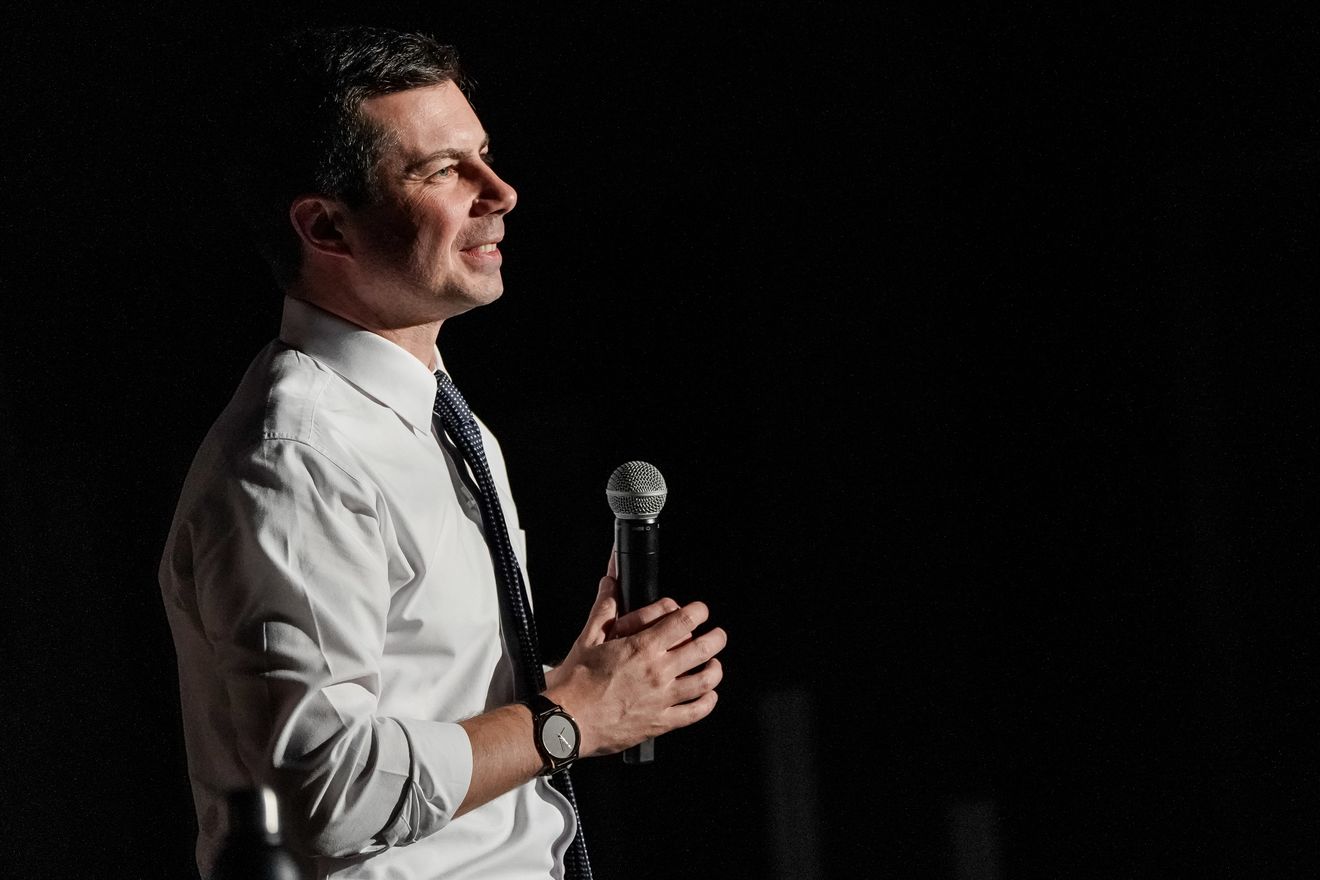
463 298
483 293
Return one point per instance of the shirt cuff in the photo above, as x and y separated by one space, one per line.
435 759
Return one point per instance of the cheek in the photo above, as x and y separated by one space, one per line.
393 232
437 234
434 251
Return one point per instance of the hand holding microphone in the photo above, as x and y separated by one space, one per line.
639 668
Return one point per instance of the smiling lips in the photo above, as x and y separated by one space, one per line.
486 256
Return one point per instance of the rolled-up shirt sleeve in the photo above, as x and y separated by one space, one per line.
293 586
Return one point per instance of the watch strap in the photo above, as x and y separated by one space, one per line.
540 704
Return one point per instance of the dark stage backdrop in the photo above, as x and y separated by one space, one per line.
975 348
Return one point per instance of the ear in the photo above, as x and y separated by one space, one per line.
319 223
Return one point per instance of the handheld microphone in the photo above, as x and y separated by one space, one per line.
636 492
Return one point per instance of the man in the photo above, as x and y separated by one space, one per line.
328 577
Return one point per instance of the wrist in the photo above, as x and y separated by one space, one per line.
553 676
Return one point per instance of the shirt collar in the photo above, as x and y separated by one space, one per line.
378 367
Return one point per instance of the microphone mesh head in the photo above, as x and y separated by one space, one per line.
636 490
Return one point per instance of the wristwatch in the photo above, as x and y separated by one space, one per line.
555 733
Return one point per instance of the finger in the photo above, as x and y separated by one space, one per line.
700 649
640 619
707 678
676 626
602 613
612 567
690 713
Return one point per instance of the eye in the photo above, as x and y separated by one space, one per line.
446 171
488 158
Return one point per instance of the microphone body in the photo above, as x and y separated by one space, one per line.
637 543
636 492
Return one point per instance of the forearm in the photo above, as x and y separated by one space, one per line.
503 755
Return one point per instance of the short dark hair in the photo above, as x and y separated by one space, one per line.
298 125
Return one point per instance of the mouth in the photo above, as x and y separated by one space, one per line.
484 257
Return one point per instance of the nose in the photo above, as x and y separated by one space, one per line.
495 196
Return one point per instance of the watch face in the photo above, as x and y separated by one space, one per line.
558 737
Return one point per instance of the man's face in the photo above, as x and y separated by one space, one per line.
429 247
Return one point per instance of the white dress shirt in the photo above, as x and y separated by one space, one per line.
334 613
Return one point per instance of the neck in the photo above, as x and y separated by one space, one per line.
418 340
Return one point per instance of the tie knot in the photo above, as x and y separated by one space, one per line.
455 415
448 397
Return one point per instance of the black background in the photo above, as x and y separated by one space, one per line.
975 348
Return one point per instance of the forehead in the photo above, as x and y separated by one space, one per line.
427 119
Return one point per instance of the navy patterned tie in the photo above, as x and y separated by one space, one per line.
457 422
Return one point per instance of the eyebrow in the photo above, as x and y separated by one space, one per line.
448 153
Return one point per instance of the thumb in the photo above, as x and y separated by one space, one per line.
603 611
